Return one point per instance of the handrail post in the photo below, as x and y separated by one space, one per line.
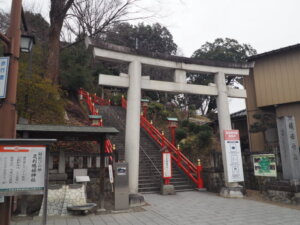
122 102
80 93
178 154
93 108
162 139
116 153
166 180
199 178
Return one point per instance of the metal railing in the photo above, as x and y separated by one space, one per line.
91 100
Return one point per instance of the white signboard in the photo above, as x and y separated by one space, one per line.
4 64
233 156
111 175
22 168
1 199
167 166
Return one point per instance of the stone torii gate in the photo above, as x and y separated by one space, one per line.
135 82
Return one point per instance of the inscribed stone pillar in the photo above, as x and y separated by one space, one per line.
289 147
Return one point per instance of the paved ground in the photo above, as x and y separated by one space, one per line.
190 208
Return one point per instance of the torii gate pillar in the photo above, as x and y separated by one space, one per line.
132 134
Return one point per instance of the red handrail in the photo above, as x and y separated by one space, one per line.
192 171
100 101
124 102
94 98
91 100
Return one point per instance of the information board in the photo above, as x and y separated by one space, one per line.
22 169
233 156
167 165
264 165
4 65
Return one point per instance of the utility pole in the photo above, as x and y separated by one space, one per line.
8 113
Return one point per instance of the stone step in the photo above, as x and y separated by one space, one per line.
149 180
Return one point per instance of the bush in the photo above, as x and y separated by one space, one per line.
192 127
204 136
116 99
76 71
184 123
40 101
180 134
196 129
156 111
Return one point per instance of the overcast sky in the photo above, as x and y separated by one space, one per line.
265 24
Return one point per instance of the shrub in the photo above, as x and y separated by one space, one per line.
40 101
156 111
184 123
116 99
192 127
204 136
180 134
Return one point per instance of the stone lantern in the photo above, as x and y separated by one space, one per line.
173 124
145 104
96 120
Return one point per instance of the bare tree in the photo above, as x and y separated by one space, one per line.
4 18
93 17
58 12
82 17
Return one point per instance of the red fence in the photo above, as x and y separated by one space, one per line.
191 170
124 102
90 101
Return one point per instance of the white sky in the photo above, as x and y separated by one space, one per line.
265 24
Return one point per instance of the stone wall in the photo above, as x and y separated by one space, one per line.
62 196
283 191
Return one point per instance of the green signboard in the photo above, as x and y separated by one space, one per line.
264 165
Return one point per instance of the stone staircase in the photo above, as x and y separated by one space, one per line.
150 157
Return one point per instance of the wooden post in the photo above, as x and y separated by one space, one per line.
62 162
71 161
89 162
102 173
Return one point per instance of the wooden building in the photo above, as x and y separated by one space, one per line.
272 89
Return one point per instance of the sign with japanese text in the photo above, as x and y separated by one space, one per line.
233 156
4 64
264 165
22 168
167 165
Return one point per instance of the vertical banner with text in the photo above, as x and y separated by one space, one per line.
233 156
167 165
4 65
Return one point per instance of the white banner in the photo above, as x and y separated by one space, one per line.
167 166
1 199
233 156
111 174
4 65
22 168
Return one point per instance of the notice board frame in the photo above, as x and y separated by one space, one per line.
32 142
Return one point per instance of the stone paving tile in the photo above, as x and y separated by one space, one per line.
189 208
